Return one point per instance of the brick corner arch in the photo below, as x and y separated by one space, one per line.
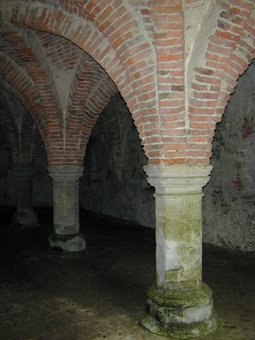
115 45
230 50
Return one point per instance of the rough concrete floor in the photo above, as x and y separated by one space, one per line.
100 293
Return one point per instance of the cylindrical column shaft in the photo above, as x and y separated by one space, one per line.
66 205
24 215
178 240
179 304
66 235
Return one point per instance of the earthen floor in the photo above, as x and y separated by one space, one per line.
100 293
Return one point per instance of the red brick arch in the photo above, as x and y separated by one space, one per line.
10 133
30 142
103 90
126 55
17 83
28 48
230 50
91 91
23 148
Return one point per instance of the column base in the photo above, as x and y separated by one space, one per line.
180 313
25 219
67 243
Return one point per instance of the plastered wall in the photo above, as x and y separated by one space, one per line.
229 201
114 182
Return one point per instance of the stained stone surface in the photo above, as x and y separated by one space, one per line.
100 293
228 204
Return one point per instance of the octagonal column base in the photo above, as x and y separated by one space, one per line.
180 313
67 243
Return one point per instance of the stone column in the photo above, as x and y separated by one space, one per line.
24 215
179 304
67 236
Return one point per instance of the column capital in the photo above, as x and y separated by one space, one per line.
178 179
65 173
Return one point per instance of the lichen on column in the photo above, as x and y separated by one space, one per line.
179 304
67 236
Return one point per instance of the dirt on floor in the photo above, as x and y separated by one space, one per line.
100 293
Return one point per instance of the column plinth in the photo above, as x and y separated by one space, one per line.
24 215
67 236
179 304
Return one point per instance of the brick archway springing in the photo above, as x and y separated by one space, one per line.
10 135
18 84
31 140
26 44
90 82
21 134
75 123
230 50
128 58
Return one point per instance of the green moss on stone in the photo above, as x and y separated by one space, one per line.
180 330
180 298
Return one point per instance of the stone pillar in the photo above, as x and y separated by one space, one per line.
67 236
24 215
179 304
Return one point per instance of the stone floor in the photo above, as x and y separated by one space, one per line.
100 293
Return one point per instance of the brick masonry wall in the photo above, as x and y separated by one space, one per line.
145 48
114 183
108 32
230 48
18 128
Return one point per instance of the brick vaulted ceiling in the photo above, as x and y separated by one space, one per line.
175 64
61 86
19 130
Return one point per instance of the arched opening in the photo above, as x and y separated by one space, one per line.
103 287
113 169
